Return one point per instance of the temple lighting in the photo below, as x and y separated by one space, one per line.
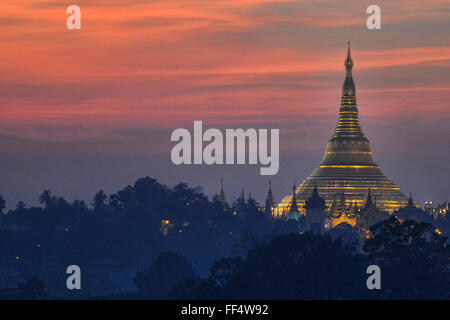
347 165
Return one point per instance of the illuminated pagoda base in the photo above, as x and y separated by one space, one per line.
347 166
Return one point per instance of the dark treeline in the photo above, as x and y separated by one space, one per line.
124 232
413 258
150 241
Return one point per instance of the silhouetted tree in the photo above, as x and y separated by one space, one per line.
114 201
308 266
31 288
413 257
79 205
100 201
168 269
20 206
47 199
252 207
2 206
346 232
193 288
223 270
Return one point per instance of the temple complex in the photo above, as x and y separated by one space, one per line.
347 170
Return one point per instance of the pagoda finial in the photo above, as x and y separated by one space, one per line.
348 61
315 201
293 211
293 192
369 201
315 190
222 197
349 87
270 204
348 50
241 199
410 201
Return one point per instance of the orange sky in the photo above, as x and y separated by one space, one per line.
161 64
154 63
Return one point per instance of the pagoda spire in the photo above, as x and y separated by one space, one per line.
294 201
222 198
348 89
270 204
369 201
410 201
315 201
293 211
240 204
348 127
348 155
315 192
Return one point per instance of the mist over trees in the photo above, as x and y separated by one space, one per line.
149 241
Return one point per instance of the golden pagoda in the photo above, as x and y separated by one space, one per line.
347 170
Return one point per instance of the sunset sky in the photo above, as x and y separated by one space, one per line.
83 110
